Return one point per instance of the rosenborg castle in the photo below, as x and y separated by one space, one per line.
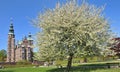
22 50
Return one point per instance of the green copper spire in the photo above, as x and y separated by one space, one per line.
30 36
11 29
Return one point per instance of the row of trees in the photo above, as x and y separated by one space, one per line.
3 55
71 30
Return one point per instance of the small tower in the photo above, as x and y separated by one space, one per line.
11 44
30 48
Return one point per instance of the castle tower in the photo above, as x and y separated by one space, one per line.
11 45
30 48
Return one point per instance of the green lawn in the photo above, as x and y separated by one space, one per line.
25 69
84 67
51 69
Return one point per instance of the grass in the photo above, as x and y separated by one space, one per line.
51 69
26 69
84 67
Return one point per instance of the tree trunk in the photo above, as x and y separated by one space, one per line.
85 60
119 56
69 64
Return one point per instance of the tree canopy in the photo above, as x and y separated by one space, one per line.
3 55
72 30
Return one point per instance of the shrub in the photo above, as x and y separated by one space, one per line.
23 62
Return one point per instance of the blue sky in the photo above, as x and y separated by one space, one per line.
23 11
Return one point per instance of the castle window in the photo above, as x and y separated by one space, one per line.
23 50
29 55
23 56
29 50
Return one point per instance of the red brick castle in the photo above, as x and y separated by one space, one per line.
23 50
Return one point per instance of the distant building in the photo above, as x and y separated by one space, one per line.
23 50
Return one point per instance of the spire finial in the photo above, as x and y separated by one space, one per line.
11 20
